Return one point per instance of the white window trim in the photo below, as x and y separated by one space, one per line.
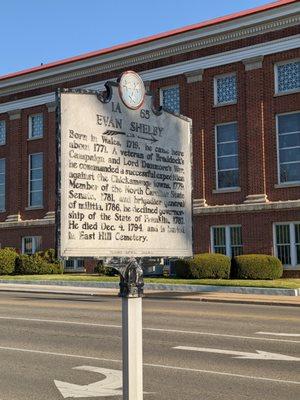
227 237
30 137
276 77
282 184
161 89
292 243
224 103
75 264
33 243
29 170
5 130
229 188
3 209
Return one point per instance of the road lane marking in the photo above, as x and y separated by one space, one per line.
111 385
171 367
51 321
279 334
259 355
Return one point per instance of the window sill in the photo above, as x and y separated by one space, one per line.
227 190
230 103
291 267
35 138
286 93
34 208
286 185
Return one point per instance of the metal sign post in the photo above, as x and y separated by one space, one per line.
131 291
124 189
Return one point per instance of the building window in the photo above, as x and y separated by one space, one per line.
170 98
287 243
74 263
287 77
36 179
36 126
2 184
2 132
225 89
31 244
227 156
288 133
227 240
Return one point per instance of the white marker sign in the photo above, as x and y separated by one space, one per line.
125 176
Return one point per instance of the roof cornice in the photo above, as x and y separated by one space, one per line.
211 35
228 57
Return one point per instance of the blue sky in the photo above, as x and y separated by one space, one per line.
40 31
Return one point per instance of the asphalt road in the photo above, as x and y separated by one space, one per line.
43 337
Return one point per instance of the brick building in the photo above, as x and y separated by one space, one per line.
237 77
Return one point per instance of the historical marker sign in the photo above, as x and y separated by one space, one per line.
125 175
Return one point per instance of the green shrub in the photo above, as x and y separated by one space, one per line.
35 264
49 255
7 260
204 266
257 266
102 269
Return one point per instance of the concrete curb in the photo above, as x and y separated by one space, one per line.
163 287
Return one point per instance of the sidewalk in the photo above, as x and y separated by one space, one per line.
217 297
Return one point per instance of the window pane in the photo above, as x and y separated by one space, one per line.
219 236
226 133
227 163
220 250
284 254
288 155
2 165
2 184
37 243
36 198
297 233
226 153
288 76
289 148
289 123
171 99
236 240
2 132
28 245
290 172
282 234
283 244
228 179
37 174
225 149
36 185
289 140
36 180
36 125
236 235
36 161
226 89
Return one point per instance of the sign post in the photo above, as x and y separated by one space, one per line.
124 190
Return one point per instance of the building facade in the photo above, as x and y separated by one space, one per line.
236 77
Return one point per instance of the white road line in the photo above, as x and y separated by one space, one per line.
279 334
258 355
149 329
204 371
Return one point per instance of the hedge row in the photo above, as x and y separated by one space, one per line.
218 266
23 264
